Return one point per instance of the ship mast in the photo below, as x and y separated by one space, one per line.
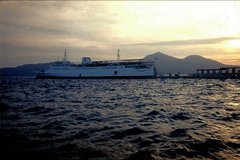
118 55
65 56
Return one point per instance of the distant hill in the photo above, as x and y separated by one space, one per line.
24 70
165 64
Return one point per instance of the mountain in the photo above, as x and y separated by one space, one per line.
24 70
165 64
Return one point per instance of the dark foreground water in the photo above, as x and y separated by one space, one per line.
120 119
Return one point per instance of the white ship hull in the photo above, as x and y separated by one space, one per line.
99 69
97 72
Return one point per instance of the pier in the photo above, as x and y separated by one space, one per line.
225 72
220 73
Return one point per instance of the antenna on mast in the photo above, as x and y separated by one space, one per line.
118 55
65 56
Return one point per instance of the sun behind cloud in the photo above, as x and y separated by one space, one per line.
234 44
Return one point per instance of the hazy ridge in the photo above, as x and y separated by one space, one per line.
24 70
165 64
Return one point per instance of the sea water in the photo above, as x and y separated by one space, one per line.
120 119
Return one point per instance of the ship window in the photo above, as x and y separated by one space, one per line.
115 72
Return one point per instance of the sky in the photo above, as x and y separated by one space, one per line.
37 32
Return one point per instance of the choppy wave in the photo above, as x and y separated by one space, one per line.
120 119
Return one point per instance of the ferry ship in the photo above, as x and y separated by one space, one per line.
132 68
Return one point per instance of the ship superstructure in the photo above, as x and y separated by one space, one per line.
132 68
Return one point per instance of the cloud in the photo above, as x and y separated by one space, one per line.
82 20
44 29
206 41
32 32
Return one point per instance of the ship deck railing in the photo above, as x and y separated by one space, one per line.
121 61
127 62
132 62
